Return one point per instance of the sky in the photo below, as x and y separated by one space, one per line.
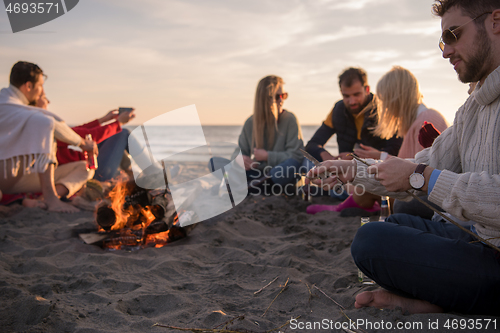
161 55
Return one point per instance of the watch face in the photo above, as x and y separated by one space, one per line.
417 181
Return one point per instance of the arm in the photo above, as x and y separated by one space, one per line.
99 133
293 142
318 141
65 134
395 171
368 152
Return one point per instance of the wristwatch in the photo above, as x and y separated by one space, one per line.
417 179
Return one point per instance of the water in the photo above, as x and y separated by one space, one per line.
169 140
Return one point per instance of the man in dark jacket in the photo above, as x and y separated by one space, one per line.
352 119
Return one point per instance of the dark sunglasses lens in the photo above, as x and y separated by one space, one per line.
449 37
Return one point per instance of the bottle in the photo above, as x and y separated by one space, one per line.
385 209
361 276
92 159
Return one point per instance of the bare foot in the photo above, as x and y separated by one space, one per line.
33 203
383 299
57 205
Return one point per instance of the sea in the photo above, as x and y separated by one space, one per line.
167 141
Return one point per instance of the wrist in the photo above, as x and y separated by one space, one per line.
326 155
427 176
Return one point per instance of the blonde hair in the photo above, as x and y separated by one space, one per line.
398 100
265 124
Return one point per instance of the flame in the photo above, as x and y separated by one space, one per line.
146 212
117 196
132 222
158 240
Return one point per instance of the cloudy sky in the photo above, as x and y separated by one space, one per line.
160 55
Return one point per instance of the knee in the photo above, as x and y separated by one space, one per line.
125 132
369 240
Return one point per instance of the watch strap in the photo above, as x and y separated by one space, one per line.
420 168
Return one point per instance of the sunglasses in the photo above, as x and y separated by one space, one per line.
282 96
449 37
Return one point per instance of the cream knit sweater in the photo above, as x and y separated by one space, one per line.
467 153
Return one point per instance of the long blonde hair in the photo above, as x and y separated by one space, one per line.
265 124
398 100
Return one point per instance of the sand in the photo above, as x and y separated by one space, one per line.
52 282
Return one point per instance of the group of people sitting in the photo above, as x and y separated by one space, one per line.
423 265
43 161
393 122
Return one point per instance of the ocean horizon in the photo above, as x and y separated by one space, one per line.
166 141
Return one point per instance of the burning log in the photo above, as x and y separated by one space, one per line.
105 217
136 218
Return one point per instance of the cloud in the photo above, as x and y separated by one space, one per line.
212 53
353 5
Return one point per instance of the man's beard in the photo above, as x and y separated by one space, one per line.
359 109
477 67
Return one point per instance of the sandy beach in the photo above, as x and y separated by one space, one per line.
51 281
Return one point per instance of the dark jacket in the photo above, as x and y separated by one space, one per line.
341 122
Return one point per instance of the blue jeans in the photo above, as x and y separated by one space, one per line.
110 155
416 208
431 261
283 174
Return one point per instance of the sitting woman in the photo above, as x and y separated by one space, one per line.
270 140
112 140
401 112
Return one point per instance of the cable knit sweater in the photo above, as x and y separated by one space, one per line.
467 153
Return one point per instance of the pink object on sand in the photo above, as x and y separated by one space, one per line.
348 203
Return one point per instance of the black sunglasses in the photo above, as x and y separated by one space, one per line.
449 37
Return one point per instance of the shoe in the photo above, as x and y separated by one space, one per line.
350 207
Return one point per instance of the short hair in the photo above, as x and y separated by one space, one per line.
471 8
23 72
352 74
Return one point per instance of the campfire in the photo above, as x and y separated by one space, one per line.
132 218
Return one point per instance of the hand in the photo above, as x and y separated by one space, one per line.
113 114
249 163
394 174
367 152
89 146
125 117
325 156
43 102
343 156
339 169
260 154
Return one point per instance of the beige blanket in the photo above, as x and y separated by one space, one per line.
26 135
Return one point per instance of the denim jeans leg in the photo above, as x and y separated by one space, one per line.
431 261
286 172
110 155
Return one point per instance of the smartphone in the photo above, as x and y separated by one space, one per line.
121 110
